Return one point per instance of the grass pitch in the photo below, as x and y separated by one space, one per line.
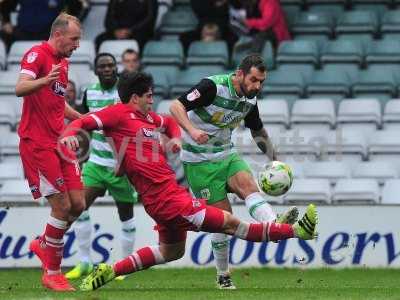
189 283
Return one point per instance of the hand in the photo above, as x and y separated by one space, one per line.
71 142
199 136
53 74
8 28
174 145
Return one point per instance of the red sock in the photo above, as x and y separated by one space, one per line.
53 237
258 232
141 259
277 232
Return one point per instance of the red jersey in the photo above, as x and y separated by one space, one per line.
136 141
42 117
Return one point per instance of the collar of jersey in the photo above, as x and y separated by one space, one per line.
232 90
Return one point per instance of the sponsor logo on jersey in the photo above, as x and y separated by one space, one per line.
205 193
195 94
59 88
133 116
60 181
34 188
148 132
196 203
31 57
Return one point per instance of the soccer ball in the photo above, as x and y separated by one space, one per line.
276 179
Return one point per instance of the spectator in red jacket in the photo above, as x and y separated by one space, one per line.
270 17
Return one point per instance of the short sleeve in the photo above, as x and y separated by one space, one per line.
107 117
32 62
252 120
202 94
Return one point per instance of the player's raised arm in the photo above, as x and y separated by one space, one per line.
259 133
28 84
70 113
171 129
200 95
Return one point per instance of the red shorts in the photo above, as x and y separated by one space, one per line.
49 170
174 210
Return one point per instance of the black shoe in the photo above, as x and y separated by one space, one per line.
225 282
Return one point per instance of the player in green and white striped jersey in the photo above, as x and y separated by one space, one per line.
98 171
208 113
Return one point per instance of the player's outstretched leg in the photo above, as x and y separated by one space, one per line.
288 217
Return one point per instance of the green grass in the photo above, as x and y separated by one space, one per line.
257 283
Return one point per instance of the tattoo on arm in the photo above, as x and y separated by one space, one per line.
264 142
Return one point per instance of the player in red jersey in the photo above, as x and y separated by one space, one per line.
51 169
133 130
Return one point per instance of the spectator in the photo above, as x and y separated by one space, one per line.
70 95
78 8
129 19
210 11
163 7
130 61
33 21
210 32
267 20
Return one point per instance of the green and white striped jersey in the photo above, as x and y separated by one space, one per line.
96 99
214 107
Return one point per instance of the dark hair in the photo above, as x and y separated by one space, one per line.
131 83
252 60
129 51
102 54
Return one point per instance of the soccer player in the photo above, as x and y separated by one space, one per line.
208 113
98 172
134 130
52 170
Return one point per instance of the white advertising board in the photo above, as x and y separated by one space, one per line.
349 236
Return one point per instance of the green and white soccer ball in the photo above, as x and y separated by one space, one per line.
276 179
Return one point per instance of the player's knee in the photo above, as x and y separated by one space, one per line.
78 207
172 253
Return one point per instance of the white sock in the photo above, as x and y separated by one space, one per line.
220 248
259 208
83 232
128 237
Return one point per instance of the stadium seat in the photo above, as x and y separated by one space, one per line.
356 22
391 192
315 23
350 69
84 78
274 112
379 8
10 144
283 84
363 114
301 144
84 55
117 47
383 52
3 55
7 114
334 7
8 80
177 22
391 115
320 39
331 170
329 84
380 171
313 113
342 51
356 191
15 190
297 167
384 145
376 82
163 107
162 82
344 145
11 171
163 53
242 48
391 22
17 51
291 11
298 51
305 191
208 53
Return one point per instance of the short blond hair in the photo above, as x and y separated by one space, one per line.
62 21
